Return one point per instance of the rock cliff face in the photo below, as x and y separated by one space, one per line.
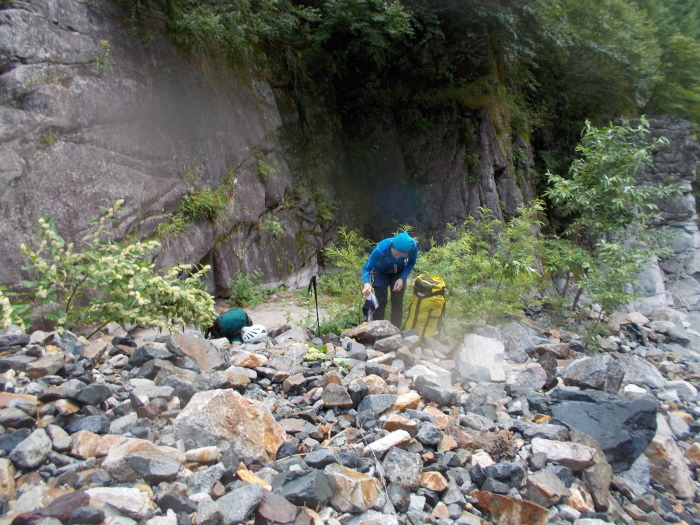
96 107
674 282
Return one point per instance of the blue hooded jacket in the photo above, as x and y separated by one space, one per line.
381 261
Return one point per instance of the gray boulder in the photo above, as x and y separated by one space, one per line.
624 428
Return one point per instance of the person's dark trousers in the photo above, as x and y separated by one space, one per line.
381 293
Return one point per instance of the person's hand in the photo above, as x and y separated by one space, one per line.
398 285
367 289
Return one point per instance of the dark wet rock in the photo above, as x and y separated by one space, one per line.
310 487
150 351
86 516
97 424
623 427
509 473
177 503
92 394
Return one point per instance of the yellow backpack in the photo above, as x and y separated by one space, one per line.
427 305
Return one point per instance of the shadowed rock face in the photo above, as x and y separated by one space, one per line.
92 112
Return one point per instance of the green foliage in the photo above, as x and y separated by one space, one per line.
610 235
245 289
204 204
489 266
104 281
341 286
266 170
272 227
103 62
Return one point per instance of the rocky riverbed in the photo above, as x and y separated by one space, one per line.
516 424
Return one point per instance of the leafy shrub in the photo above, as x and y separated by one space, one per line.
244 289
273 227
611 232
104 281
204 203
490 268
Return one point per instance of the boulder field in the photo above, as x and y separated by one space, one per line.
515 424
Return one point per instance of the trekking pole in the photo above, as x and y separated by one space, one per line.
318 323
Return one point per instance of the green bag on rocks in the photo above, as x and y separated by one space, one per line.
229 325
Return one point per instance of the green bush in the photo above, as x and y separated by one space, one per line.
103 281
489 266
611 232
244 289
203 204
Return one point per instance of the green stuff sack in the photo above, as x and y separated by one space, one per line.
427 305
229 325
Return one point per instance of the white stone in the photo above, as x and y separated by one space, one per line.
131 501
483 351
398 438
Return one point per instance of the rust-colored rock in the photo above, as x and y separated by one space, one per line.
223 415
433 481
84 444
353 491
510 511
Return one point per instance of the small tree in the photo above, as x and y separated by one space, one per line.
611 233
489 266
104 281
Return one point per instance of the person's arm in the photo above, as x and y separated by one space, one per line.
369 265
412 258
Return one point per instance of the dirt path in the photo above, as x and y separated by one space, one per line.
283 308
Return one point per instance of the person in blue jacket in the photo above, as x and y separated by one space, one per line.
389 265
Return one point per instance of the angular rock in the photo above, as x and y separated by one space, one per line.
217 416
623 427
92 394
153 466
668 466
7 479
588 372
84 444
371 331
197 348
45 366
352 491
377 403
336 396
546 489
115 463
133 502
482 351
275 510
307 487
436 391
32 452
576 457
510 511
525 376
403 468
240 503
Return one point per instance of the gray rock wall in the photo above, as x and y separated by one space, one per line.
675 281
91 111
96 106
